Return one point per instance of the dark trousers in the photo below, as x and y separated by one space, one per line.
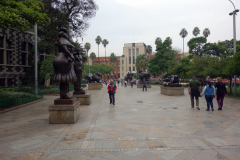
144 86
209 99
132 85
220 98
112 98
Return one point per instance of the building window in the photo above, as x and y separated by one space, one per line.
24 57
1 56
1 42
133 68
118 69
122 61
134 60
26 48
122 68
118 62
130 69
9 56
9 82
2 82
118 75
122 74
129 56
137 51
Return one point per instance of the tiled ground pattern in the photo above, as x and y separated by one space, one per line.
160 127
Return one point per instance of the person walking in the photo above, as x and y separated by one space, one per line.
118 82
114 82
221 92
136 82
132 84
125 83
194 91
153 82
145 85
111 91
209 91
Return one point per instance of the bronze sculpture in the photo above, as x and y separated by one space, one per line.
95 78
63 64
78 63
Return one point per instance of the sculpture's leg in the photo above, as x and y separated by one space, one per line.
64 91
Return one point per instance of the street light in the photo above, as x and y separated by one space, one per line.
234 13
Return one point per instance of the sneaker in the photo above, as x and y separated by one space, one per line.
110 103
198 108
207 110
113 103
212 109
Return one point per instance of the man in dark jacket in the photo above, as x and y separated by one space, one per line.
112 90
145 85
194 91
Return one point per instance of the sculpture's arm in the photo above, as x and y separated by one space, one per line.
67 52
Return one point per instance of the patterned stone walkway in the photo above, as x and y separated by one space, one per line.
141 126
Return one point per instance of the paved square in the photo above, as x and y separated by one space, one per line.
161 127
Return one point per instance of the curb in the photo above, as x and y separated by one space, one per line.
23 105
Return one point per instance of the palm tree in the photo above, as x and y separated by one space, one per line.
92 56
87 46
105 43
183 34
158 40
113 59
206 32
98 41
149 49
196 31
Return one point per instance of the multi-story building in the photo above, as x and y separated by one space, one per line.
126 62
15 56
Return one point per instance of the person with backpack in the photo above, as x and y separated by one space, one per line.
209 91
221 92
111 91
145 85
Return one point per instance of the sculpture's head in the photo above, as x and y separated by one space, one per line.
87 77
98 74
62 32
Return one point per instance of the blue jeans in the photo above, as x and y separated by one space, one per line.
209 99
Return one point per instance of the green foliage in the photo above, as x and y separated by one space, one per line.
87 46
206 32
46 69
105 42
183 33
113 57
98 40
149 49
163 59
196 46
141 62
181 69
102 68
92 55
196 31
158 40
22 14
136 75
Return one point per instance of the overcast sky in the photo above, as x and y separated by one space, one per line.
133 21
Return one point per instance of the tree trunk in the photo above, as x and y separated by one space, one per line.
47 81
98 55
230 84
105 56
183 45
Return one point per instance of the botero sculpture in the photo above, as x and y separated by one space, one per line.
172 81
95 78
63 64
78 63
144 75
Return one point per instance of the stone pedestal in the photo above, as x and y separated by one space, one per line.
79 92
172 91
95 86
141 86
84 99
64 111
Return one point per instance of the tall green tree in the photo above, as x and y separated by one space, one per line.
163 59
46 69
21 14
98 41
87 46
196 46
196 31
105 43
141 62
158 40
149 49
183 34
92 56
206 32
113 58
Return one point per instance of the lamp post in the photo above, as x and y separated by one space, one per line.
36 59
234 13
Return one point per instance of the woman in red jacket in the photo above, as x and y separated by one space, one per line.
112 90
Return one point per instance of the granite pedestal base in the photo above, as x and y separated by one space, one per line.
95 86
84 99
172 91
64 111
141 86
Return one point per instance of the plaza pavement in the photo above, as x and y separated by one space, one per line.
141 126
